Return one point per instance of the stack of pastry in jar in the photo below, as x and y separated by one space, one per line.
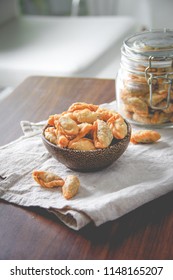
136 102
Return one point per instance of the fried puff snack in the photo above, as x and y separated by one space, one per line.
82 144
82 106
117 126
102 134
145 137
70 185
68 126
47 179
85 127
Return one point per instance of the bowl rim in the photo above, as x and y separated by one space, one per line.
87 151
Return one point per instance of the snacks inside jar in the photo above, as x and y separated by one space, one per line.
144 89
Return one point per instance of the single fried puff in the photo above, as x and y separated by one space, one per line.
117 126
70 187
50 135
102 134
81 106
85 115
68 126
47 179
83 144
145 136
105 114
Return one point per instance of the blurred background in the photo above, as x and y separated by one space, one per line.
78 38
150 13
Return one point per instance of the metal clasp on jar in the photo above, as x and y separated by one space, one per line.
150 77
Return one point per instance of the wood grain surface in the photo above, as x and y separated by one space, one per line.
32 233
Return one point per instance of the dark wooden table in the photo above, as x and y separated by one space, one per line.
31 233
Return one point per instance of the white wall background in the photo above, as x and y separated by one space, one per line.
150 13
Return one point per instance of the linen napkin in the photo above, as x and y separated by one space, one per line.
141 174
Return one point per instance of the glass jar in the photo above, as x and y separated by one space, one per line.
144 90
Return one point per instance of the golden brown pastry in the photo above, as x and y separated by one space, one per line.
117 126
102 134
71 186
105 114
145 137
97 126
68 126
50 134
81 106
47 179
85 115
82 144
84 129
137 105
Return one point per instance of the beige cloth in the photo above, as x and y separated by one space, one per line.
141 174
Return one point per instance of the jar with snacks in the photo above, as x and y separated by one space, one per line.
144 88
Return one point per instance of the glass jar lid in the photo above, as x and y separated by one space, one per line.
157 43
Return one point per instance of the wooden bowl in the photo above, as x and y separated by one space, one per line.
88 161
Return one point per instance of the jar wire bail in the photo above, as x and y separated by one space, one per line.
150 77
